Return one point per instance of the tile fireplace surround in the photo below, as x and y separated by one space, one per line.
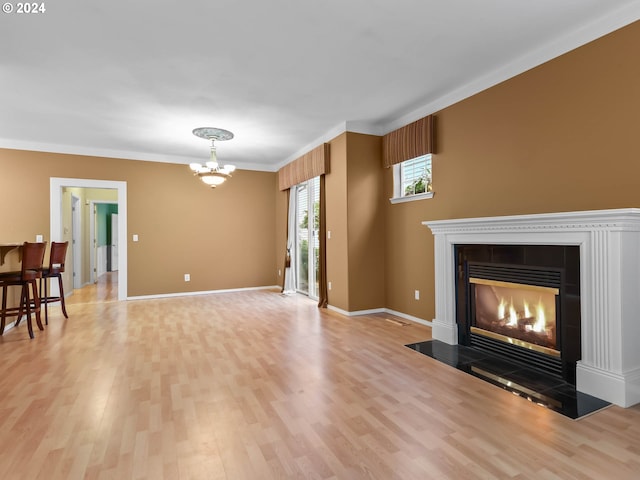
609 242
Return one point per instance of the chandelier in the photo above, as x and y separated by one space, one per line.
211 172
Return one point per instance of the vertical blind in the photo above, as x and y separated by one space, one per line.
410 141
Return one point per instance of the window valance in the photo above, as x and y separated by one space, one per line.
411 141
312 164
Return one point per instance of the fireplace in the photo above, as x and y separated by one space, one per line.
527 311
598 303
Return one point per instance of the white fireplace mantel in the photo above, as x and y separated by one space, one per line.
609 242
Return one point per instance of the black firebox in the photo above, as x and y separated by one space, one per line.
521 302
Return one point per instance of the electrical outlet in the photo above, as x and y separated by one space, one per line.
279 272
329 285
417 294
187 277
39 238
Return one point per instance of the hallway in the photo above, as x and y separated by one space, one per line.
103 291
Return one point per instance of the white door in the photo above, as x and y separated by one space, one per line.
114 242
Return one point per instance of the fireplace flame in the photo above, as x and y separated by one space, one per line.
513 315
541 321
509 313
502 308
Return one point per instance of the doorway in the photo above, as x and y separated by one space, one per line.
56 214
102 230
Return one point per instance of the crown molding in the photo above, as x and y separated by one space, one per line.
119 154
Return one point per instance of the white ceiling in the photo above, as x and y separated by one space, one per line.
131 79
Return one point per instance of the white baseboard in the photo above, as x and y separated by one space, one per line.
205 292
380 310
357 312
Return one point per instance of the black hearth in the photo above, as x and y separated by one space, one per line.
522 303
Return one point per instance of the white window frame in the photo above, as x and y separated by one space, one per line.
399 195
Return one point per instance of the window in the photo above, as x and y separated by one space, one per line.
412 180
307 239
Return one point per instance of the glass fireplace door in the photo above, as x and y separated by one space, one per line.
516 313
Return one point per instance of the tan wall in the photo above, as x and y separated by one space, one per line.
560 137
355 218
337 245
225 238
365 211
408 256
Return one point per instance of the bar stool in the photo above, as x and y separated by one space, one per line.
55 270
32 258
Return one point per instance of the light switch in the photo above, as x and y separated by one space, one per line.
135 237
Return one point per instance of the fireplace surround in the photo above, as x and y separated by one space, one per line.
609 258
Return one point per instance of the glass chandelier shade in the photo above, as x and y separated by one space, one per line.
211 172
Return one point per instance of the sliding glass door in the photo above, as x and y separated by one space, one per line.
307 241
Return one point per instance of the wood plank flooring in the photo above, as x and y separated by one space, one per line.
255 385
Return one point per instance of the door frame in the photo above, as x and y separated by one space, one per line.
55 211
92 236
76 242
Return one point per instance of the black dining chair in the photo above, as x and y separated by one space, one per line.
27 276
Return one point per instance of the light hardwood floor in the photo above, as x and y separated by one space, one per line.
255 385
